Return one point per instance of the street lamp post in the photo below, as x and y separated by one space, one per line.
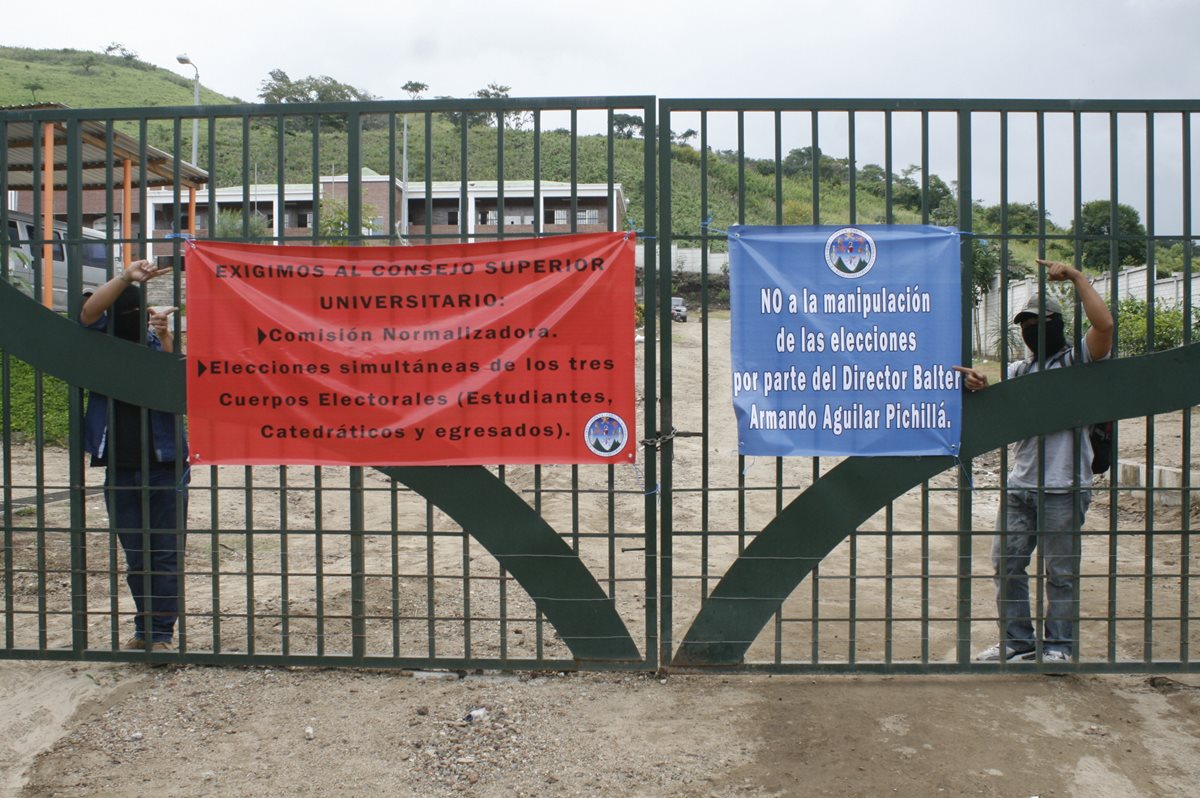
183 59
404 189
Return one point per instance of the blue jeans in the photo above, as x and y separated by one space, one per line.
152 557
1012 550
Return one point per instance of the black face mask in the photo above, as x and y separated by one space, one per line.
1056 339
126 314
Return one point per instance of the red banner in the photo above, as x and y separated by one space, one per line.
516 351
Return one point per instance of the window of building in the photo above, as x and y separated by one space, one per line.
588 216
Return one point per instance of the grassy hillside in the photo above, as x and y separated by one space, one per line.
83 79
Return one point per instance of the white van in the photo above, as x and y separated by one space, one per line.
21 257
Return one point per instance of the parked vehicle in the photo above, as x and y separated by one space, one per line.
21 256
678 309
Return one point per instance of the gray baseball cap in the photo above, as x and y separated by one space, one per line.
1031 308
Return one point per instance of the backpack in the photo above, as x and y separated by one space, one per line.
1099 434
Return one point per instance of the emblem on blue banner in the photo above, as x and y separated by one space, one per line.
850 253
605 434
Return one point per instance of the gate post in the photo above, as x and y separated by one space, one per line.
78 492
966 250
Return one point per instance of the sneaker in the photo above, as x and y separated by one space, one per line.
134 643
161 645
992 654
1055 655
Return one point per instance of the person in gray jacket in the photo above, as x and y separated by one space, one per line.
1019 528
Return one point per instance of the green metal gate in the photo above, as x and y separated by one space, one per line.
697 558
509 567
883 564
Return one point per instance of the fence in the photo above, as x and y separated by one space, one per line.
697 559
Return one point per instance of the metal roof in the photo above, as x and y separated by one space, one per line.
158 170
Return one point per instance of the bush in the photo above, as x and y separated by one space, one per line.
688 285
1133 321
23 409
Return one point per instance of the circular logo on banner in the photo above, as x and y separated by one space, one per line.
850 253
605 434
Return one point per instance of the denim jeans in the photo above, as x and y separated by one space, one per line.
153 550
1012 550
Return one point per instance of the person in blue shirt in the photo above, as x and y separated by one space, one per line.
144 453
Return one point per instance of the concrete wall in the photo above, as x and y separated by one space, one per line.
1131 282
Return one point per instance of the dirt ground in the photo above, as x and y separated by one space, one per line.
126 729
264 732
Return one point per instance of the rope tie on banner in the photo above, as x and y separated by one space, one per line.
631 227
707 225
966 475
641 478
187 238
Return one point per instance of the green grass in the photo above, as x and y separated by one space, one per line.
82 79
23 382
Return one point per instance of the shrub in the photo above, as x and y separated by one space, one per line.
1133 316
23 408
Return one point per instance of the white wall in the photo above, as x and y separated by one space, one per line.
1131 282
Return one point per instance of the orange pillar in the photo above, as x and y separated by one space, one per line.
192 210
48 214
127 214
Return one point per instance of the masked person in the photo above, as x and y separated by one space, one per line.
1019 528
139 451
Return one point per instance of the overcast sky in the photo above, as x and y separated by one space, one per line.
1064 49
750 48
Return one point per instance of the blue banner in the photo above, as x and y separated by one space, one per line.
844 338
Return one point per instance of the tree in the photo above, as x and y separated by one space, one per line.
627 126
116 48
34 87
1021 218
1094 226
942 205
985 264
334 225
281 89
414 89
872 179
493 91
684 137
831 171
513 119
230 227
799 161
